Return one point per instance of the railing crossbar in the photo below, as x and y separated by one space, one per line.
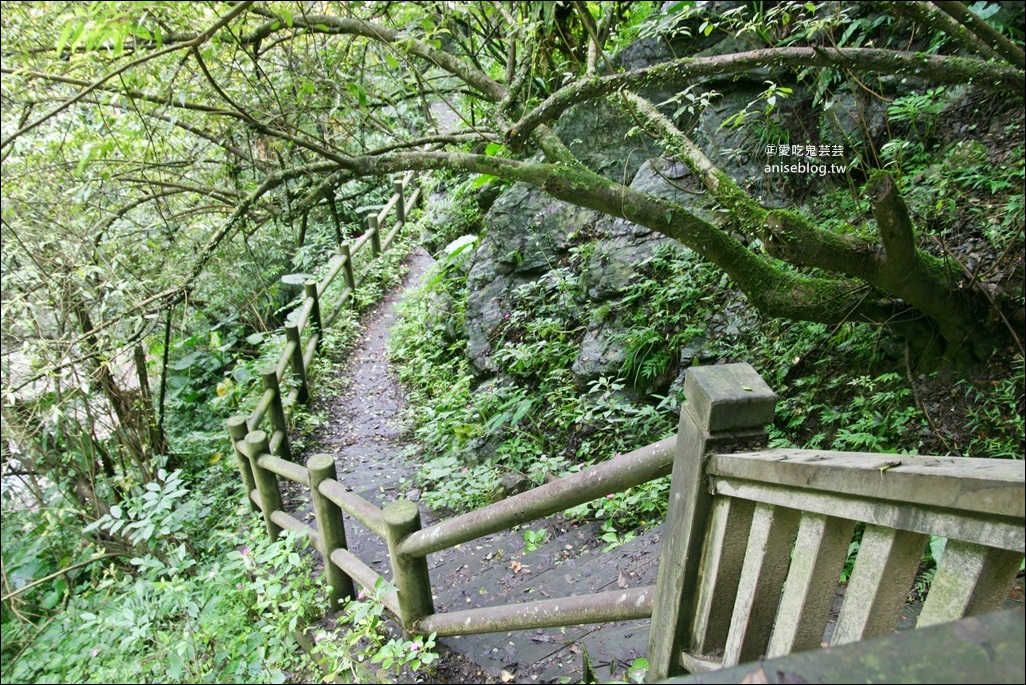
354 505
626 471
286 469
289 522
285 361
253 422
337 265
602 607
346 294
364 575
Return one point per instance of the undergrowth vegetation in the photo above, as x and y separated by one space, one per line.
844 387
178 582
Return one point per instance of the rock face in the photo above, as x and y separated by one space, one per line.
528 234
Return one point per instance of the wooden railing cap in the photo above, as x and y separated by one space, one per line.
729 396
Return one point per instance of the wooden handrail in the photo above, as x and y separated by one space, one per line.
354 505
601 607
985 486
758 539
634 468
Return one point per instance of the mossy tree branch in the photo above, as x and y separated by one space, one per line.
938 68
927 14
987 34
901 277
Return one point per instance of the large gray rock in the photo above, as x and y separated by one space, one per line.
528 233
622 245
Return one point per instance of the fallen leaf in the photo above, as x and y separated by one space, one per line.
621 581
505 676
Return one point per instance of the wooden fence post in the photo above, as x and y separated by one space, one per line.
400 204
375 235
310 288
347 267
298 367
410 573
277 412
266 482
413 184
237 430
728 407
331 527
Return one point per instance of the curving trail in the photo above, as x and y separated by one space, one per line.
363 431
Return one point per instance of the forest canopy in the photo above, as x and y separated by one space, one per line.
164 132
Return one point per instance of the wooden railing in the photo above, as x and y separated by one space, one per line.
740 526
303 336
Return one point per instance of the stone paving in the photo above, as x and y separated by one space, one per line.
364 433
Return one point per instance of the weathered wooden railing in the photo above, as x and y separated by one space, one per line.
303 336
739 527
744 525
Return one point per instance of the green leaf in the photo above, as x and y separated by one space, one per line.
391 61
358 92
65 35
481 180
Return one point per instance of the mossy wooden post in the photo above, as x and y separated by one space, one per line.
375 235
237 432
400 203
298 367
310 289
331 527
413 186
266 482
277 412
728 407
347 267
410 573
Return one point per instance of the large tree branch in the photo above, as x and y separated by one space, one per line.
984 31
491 89
323 23
928 15
166 100
771 288
892 221
227 196
900 269
203 37
942 69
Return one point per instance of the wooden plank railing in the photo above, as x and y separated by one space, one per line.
742 523
263 456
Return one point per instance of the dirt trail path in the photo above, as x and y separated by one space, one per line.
363 431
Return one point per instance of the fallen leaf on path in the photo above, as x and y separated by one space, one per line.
518 567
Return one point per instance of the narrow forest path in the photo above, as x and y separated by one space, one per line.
363 430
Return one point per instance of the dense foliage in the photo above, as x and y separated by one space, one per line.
842 387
